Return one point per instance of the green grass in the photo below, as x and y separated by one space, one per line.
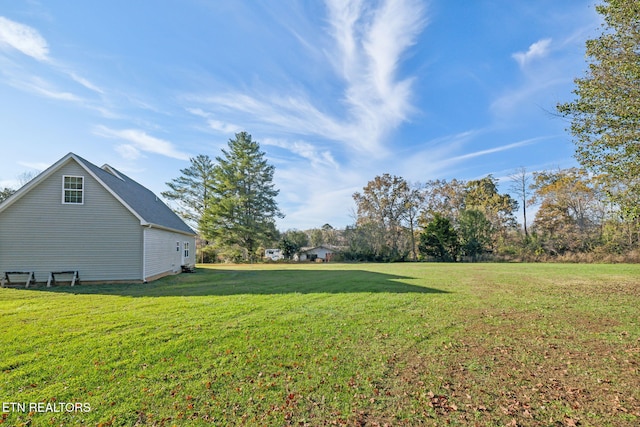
335 344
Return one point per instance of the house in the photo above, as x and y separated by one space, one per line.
76 216
273 254
322 252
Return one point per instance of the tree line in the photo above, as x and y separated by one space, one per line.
471 220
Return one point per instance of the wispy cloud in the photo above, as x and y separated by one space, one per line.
86 83
23 38
140 141
442 155
539 49
41 87
214 124
305 150
527 94
368 41
479 153
223 127
372 51
36 166
23 76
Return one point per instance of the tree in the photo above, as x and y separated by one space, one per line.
316 237
571 213
192 190
605 116
482 195
474 231
439 239
382 202
364 242
287 247
23 179
520 185
291 242
444 198
413 198
242 207
5 193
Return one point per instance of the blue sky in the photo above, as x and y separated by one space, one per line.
335 91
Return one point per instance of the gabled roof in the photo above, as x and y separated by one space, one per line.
140 201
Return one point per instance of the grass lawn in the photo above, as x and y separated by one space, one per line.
334 344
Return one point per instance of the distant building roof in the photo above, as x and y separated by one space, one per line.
328 247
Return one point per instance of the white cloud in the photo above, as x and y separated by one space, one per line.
223 127
23 38
305 150
216 125
128 152
140 141
366 47
441 158
539 49
371 43
86 83
41 87
62 96
479 153
527 94
326 195
36 166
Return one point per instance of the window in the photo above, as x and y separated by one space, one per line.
177 246
73 190
186 250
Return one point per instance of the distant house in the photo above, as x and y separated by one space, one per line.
273 254
76 216
322 252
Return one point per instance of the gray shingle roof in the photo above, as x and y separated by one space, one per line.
140 199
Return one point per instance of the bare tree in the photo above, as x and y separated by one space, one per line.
520 186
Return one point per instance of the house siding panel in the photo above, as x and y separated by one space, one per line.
161 254
100 238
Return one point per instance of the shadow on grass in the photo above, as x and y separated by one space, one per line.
219 281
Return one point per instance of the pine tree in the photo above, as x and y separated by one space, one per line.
192 190
242 209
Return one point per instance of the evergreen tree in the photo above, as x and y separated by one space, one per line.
242 208
440 240
5 193
475 233
192 190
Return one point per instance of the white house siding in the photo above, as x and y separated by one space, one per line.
100 238
320 252
164 251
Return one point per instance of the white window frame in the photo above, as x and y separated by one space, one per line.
186 250
65 189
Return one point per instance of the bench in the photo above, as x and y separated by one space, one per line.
31 278
75 278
